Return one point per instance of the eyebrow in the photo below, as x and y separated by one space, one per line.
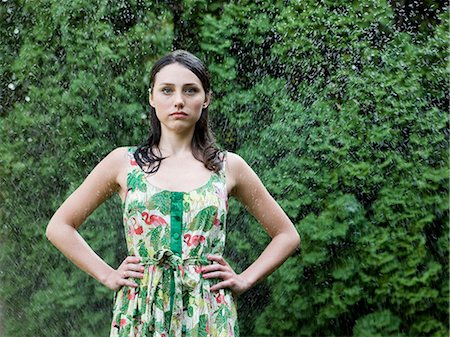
174 84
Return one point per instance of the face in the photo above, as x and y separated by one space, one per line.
178 98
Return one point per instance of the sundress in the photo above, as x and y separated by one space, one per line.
173 233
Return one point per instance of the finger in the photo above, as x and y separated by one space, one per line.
218 259
221 285
133 274
134 267
128 283
126 263
124 274
132 259
213 267
217 274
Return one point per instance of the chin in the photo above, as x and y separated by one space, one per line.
181 128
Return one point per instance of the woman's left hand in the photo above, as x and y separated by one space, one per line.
237 283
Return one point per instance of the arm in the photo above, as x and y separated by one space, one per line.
99 185
248 188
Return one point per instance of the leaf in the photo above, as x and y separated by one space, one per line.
136 181
160 201
203 220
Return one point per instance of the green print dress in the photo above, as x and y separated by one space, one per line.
173 233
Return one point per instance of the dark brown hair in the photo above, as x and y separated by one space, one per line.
204 146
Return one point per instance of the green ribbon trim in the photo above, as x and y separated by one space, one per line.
176 217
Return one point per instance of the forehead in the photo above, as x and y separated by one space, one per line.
177 74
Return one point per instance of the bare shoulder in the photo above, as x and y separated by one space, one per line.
112 165
234 160
117 162
237 171
118 155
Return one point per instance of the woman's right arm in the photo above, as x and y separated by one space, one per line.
98 186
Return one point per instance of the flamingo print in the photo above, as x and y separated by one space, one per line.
136 228
194 240
153 219
217 221
220 298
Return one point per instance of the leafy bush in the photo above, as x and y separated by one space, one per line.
341 114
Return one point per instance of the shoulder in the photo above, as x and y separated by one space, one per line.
116 165
237 171
117 160
118 155
234 161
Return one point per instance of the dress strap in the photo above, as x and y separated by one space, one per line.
130 152
221 174
224 161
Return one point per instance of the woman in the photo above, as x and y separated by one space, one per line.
174 191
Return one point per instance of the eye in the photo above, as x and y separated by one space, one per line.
166 90
191 90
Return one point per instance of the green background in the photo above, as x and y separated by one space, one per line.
339 106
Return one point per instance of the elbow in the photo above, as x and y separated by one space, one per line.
296 241
292 242
52 231
57 230
49 231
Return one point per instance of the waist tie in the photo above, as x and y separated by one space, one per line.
175 264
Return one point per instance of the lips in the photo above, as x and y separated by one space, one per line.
179 114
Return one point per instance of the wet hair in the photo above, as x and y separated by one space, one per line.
204 146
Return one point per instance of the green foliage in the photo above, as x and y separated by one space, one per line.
381 323
75 98
341 114
336 110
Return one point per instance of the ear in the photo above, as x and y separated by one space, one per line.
207 100
150 97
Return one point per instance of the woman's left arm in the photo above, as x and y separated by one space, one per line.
248 189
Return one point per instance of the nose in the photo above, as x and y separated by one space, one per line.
178 100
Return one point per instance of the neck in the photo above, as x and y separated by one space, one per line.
174 144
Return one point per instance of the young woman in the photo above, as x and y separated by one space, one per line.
174 190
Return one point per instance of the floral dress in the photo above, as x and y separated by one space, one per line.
172 233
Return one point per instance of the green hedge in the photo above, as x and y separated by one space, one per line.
344 118
86 79
341 113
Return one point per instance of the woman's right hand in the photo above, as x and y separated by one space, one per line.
130 268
